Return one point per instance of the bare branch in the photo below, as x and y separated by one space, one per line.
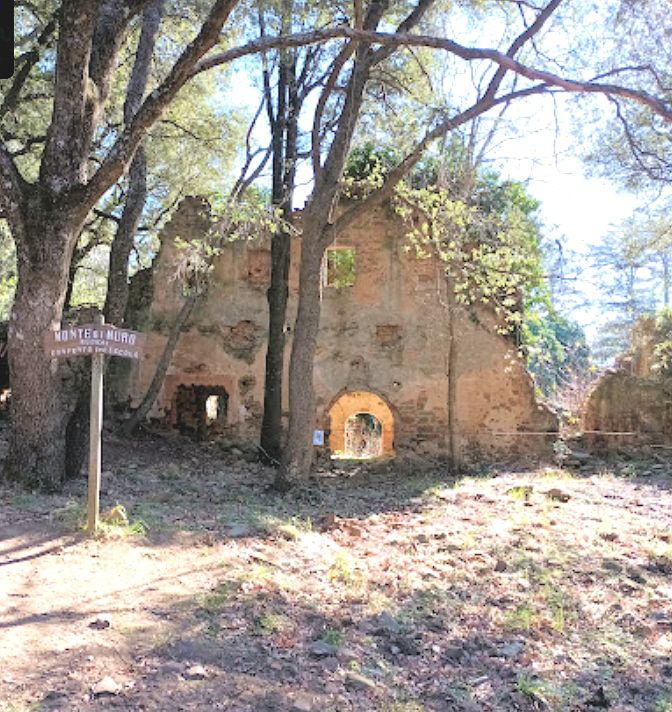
337 66
659 106
646 160
519 42
243 182
186 130
397 174
122 152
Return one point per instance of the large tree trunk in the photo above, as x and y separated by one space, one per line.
117 281
284 129
40 409
318 233
46 218
278 292
298 453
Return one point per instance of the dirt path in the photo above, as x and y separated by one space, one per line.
380 591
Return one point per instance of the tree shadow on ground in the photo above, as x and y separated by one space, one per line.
250 646
423 593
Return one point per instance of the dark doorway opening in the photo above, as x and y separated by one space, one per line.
201 411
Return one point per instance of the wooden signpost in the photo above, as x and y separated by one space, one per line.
96 340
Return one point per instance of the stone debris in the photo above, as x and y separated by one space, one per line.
195 672
322 649
101 622
357 681
239 531
107 686
557 495
385 624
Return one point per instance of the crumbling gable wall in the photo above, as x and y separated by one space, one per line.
623 409
382 347
632 404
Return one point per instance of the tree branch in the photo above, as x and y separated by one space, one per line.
121 154
397 174
25 63
12 187
519 42
64 158
658 105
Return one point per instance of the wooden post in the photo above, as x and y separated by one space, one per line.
95 431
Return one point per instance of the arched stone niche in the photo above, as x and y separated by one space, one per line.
353 402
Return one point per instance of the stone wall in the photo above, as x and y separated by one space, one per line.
632 404
383 347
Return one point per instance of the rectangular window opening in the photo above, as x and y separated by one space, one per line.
340 267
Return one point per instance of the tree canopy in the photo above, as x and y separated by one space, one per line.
425 70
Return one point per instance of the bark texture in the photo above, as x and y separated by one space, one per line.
117 280
46 217
298 454
283 120
39 407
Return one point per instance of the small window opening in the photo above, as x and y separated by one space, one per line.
213 406
363 436
340 267
201 411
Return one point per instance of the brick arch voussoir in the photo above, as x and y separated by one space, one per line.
349 402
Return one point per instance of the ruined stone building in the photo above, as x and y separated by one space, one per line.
381 369
631 404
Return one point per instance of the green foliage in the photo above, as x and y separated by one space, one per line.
484 230
340 267
531 686
521 618
333 636
232 220
191 150
556 348
633 266
213 602
367 167
632 146
90 285
270 623
662 351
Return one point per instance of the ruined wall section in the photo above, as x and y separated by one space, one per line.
497 408
624 410
385 335
630 405
223 344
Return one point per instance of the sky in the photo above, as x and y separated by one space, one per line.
545 152
576 210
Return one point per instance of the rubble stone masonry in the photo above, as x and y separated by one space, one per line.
382 349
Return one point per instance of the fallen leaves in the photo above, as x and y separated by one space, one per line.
369 593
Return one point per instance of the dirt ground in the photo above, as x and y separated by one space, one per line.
379 589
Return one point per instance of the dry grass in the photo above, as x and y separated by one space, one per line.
373 591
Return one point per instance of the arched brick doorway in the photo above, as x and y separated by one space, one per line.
356 403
